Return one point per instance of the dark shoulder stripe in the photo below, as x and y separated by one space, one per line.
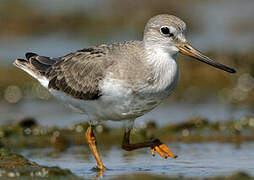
61 85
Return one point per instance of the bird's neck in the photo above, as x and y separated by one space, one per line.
164 68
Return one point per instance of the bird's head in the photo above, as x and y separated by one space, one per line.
167 33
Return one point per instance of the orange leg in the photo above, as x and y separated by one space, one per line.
154 144
91 140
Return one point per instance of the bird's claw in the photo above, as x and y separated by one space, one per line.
163 151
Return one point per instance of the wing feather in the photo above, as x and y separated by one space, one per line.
79 74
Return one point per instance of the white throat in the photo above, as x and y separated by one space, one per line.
164 67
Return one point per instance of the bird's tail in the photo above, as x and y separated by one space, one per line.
36 66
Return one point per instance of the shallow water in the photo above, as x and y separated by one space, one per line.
194 160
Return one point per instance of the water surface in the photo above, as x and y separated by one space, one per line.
195 160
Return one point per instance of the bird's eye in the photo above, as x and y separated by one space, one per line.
165 31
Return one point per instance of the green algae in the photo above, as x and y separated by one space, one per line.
28 134
16 166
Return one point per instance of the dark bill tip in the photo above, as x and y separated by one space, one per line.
188 50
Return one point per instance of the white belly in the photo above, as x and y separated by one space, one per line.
129 106
119 104
110 107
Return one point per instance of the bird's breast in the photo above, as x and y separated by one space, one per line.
165 76
125 100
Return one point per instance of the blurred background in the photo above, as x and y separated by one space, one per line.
224 30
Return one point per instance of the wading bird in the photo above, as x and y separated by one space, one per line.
121 81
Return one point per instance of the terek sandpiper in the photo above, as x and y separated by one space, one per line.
120 81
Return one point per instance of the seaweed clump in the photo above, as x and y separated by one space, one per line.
16 166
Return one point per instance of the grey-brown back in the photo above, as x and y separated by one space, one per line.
79 74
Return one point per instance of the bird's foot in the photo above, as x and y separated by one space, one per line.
98 169
162 150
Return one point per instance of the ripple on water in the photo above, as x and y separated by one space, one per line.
195 160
